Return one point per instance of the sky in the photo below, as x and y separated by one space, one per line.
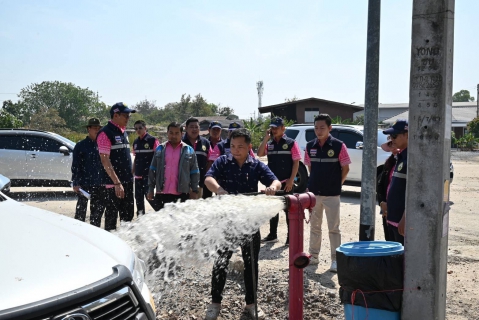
158 50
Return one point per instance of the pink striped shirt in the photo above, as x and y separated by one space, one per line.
172 160
343 157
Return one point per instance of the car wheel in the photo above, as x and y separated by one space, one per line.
301 180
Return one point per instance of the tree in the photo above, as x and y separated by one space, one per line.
73 104
8 120
473 127
48 119
291 99
462 96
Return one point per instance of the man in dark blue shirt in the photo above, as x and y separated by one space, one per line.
86 167
236 173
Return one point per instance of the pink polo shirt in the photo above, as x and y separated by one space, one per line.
172 160
343 157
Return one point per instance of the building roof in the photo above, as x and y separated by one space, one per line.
406 105
461 115
274 106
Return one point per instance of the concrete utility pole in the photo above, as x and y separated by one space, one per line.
427 190
477 100
369 165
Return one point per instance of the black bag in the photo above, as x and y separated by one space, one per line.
370 275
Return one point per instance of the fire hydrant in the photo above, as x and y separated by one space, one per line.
296 204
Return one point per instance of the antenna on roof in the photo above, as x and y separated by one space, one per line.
259 87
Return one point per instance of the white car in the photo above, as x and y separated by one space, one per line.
352 136
35 158
56 267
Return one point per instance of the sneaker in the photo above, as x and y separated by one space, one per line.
334 266
313 261
270 238
213 311
250 309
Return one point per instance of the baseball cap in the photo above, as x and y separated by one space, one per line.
276 122
93 122
215 124
120 107
400 126
234 125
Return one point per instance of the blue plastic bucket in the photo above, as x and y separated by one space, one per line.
365 249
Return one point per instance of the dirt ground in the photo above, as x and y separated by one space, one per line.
463 259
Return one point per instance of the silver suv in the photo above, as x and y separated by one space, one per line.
352 136
36 158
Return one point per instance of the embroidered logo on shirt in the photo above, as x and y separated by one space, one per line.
204 148
118 139
313 152
270 147
400 166
285 146
331 153
147 146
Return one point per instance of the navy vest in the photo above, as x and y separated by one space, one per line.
326 173
201 151
144 153
280 160
224 146
119 154
396 198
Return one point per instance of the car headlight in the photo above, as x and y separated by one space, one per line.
139 269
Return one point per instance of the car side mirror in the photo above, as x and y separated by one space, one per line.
64 150
359 145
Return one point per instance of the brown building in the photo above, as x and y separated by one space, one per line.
304 110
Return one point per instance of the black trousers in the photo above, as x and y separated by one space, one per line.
141 190
394 234
273 223
220 267
96 205
162 199
114 206
387 234
207 193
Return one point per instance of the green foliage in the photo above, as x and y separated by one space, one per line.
473 127
462 96
467 142
8 120
48 119
358 121
76 136
72 103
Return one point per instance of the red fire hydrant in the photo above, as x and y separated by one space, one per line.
296 204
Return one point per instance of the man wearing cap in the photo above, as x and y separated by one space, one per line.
328 162
143 148
224 146
214 130
114 149
283 160
201 147
86 167
396 193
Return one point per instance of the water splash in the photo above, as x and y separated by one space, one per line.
189 234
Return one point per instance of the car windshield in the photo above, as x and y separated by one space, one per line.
70 144
381 137
291 133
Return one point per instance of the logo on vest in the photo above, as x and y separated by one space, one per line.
400 166
270 147
118 139
147 146
204 148
313 152
285 146
331 153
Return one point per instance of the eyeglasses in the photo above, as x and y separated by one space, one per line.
138 128
126 115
